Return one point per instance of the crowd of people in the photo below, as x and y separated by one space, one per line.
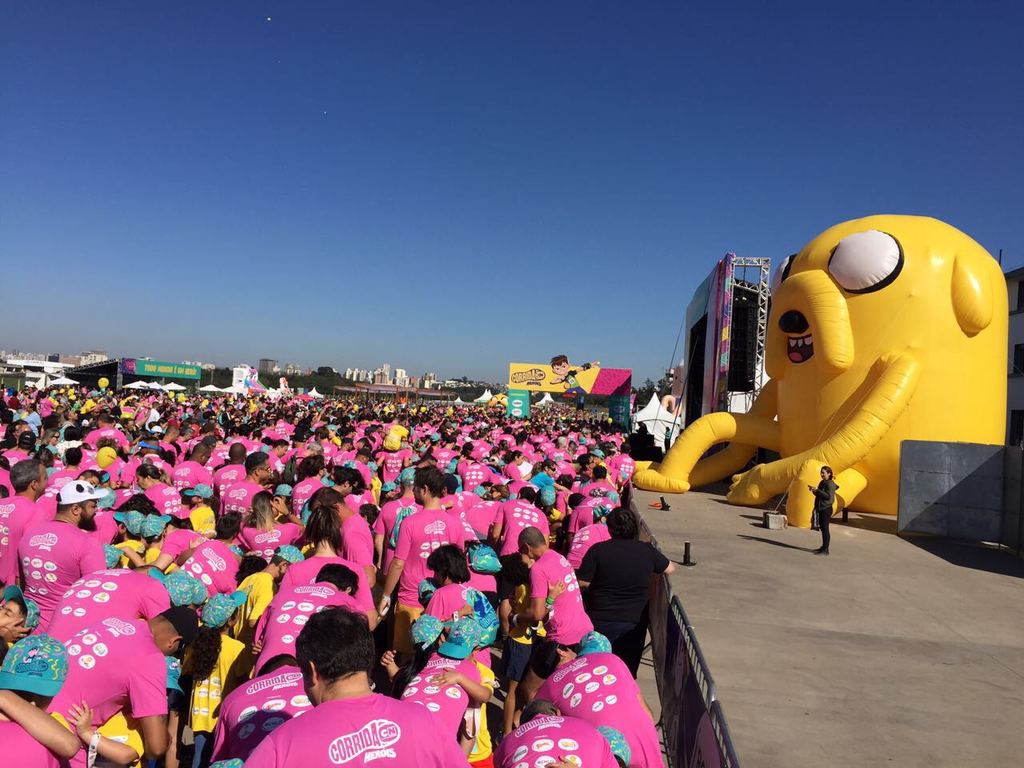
193 581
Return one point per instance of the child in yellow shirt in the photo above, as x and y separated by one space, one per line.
200 513
213 662
260 587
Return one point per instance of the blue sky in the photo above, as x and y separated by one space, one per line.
451 186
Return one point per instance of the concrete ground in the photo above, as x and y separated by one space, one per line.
888 652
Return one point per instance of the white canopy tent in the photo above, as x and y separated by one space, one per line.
172 387
314 393
62 381
210 388
545 401
657 420
486 397
458 401
137 385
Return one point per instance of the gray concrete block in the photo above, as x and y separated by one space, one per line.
975 524
966 459
931 519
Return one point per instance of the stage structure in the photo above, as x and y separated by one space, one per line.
726 326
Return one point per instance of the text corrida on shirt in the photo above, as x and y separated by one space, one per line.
372 741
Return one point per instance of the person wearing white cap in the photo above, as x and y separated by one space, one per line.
55 554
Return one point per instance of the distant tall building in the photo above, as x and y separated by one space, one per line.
401 378
266 365
429 380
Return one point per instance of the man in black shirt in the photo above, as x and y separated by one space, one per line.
616 577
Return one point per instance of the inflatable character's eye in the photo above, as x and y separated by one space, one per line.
866 261
782 272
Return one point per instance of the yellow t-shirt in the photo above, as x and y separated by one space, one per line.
259 589
120 728
207 694
203 520
524 633
482 749
151 556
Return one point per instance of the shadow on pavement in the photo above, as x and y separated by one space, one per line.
980 557
775 543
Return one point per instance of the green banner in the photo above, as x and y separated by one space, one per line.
518 403
161 368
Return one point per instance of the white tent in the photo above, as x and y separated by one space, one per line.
486 397
658 420
545 401
458 401
152 385
210 388
314 393
172 387
62 381
137 385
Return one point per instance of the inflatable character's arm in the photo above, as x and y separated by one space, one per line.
682 467
848 444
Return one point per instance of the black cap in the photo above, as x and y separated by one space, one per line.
185 622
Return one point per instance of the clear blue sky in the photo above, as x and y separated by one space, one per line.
452 186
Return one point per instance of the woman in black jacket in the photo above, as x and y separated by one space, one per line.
824 499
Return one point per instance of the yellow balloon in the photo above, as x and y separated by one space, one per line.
104 382
883 329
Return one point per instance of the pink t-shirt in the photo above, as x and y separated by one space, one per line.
385 523
584 539
373 730
21 749
446 704
53 556
214 564
516 515
599 688
418 536
189 474
447 601
226 475
302 492
178 540
263 543
16 514
567 621
253 710
118 436
392 464
306 571
474 474
481 517
167 500
287 614
112 665
357 540
117 593
545 739
237 497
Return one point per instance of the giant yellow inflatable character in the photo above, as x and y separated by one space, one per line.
882 329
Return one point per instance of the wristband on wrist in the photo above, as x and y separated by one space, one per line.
549 602
94 745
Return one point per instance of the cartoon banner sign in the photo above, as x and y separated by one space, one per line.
561 376
139 367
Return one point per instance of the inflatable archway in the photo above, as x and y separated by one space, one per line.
882 329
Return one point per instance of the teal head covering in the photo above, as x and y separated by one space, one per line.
594 642
37 664
617 742
220 608
131 520
112 555
426 629
154 525
290 553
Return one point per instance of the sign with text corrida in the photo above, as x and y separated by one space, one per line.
137 367
570 379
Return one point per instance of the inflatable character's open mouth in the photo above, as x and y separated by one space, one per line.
801 349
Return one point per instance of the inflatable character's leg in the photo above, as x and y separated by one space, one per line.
673 475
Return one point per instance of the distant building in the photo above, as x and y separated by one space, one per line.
266 365
292 369
429 380
72 360
93 356
401 377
